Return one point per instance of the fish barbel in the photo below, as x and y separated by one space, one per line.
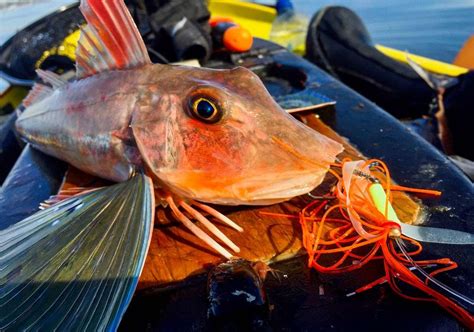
180 136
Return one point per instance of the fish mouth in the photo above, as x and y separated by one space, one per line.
261 189
284 166
277 187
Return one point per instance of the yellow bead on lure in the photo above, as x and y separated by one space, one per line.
190 135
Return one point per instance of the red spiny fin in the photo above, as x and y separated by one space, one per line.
110 41
37 93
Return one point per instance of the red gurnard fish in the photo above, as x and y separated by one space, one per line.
182 136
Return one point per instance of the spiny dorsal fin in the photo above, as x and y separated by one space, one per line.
51 78
110 41
36 94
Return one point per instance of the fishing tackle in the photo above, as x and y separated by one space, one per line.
363 226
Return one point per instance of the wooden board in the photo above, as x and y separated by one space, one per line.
176 254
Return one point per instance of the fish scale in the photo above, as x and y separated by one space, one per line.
82 129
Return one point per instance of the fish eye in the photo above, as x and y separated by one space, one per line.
206 110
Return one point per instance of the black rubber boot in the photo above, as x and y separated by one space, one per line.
459 105
338 42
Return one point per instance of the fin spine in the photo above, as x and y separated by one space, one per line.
36 94
51 78
111 40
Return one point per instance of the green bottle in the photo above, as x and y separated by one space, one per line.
289 28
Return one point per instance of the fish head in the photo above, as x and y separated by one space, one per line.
218 136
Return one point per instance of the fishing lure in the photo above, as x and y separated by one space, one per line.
170 135
363 226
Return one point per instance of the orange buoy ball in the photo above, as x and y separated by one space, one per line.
237 39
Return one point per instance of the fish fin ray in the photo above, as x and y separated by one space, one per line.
76 265
110 41
196 230
51 78
65 194
37 93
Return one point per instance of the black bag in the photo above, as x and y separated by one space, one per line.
174 29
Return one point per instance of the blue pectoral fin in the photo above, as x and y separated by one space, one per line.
76 265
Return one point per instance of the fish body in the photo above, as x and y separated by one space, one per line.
83 123
113 122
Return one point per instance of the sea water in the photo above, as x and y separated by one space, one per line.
433 28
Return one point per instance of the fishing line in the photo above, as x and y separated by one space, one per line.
462 297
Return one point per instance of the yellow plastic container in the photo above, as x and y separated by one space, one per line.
255 18
258 20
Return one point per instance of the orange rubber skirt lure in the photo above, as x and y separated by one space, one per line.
362 226
359 229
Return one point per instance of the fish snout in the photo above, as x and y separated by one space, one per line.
294 162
